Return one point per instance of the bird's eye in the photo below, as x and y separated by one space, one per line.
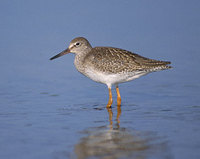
77 44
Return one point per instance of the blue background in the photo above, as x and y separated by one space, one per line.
42 99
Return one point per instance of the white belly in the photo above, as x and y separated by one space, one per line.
110 79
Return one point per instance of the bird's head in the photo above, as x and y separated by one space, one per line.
77 46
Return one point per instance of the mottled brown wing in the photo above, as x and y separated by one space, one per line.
114 60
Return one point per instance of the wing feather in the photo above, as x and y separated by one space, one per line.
114 60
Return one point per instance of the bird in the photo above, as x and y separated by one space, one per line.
110 65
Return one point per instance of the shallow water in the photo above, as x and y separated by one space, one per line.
49 110
50 120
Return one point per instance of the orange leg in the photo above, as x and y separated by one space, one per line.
118 96
110 98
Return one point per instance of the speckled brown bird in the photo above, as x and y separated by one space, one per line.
110 65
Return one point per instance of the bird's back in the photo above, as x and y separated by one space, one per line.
114 60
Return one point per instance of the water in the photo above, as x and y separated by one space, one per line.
49 110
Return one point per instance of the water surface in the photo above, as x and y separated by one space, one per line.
49 110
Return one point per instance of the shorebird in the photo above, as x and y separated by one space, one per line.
109 65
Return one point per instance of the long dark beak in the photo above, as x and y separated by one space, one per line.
61 54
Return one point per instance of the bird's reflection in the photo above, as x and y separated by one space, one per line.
111 116
113 142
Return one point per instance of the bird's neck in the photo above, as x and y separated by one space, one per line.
79 60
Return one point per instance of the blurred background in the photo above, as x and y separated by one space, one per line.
44 105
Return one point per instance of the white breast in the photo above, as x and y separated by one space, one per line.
110 79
